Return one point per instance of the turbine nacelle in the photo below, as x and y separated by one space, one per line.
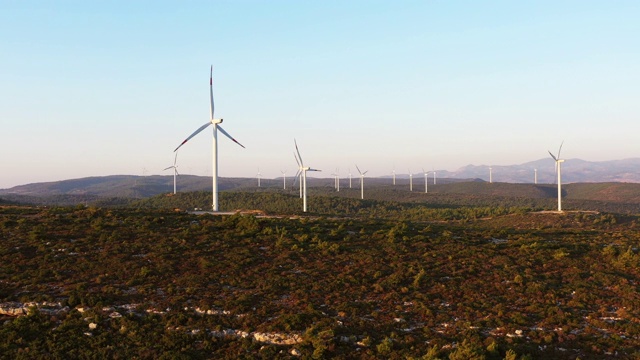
216 121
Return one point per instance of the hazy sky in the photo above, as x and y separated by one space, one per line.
112 87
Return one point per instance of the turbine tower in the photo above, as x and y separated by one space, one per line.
336 180
298 173
284 180
175 172
394 176
535 176
426 181
558 170
361 182
215 122
410 180
434 177
349 178
258 175
490 175
303 170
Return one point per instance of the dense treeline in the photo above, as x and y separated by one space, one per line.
165 284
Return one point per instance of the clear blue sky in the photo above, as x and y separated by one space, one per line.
111 87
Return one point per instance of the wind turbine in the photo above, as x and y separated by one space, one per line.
303 170
394 176
349 178
361 182
216 127
410 180
336 182
426 181
258 175
535 176
558 170
284 180
434 177
490 175
175 172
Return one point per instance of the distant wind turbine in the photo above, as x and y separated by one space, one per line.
349 178
558 170
490 175
410 180
361 182
175 172
426 181
434 177
258 175
394 176
215 122
284 180
336 180
535 176
303 171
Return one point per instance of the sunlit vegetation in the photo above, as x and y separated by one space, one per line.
384 280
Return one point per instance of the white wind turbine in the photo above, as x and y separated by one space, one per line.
216 127
336 181
490 175
535 176
394 176
175 172
349 178
558 170
361 182
284 180
426 181
303 172
258 175
410 180
434 177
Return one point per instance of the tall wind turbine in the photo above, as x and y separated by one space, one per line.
490 175
215 122
426 181
258 175
535 176
284 180
175 172
349 178
410 180
303 170
558 170
361 182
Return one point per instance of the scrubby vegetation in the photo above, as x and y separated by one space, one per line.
383 280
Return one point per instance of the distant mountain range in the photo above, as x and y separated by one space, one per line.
130 186
573 171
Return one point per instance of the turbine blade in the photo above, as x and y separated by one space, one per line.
211 90
167 168
364 173
313 169
560 149
175 159
295 178
297 161
298 151
358 169
194 134
176 169
554 158
229 136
